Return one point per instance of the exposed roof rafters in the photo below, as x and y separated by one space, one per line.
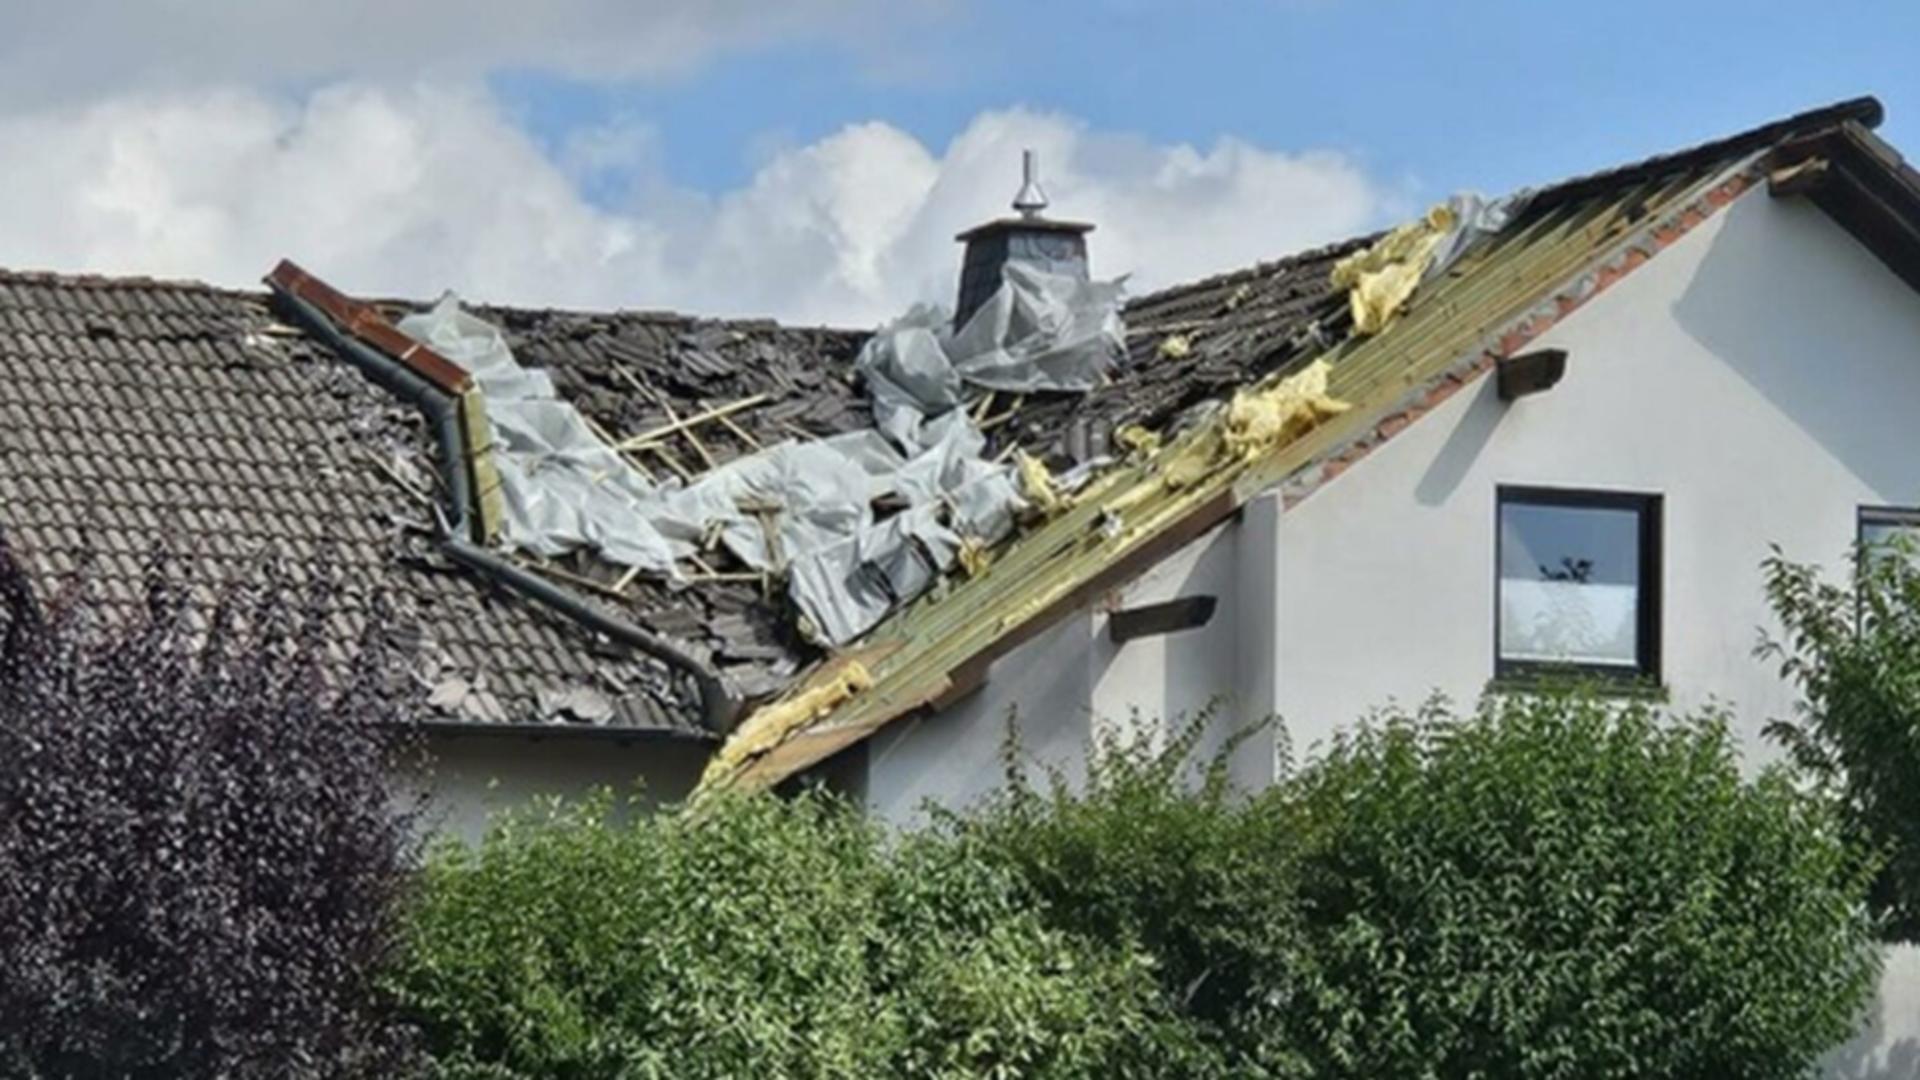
1573 242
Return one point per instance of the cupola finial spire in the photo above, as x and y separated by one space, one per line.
1032 198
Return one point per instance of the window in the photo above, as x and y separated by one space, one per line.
1579 583
1883 527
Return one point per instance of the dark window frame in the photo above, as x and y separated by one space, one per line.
1650 508
1900 517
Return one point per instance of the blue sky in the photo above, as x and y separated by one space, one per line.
812 159
1490 95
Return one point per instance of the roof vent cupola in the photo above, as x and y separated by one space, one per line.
1056 247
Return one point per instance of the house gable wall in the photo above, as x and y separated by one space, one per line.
1074 686
1761 375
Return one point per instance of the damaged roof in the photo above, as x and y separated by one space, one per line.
138 410
1283 329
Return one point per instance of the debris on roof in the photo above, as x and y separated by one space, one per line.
1037 485
817 698
563 486
1137 439
1381 279
803 510
1038 332
1260 419
577 703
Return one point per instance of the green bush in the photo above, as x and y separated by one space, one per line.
1551 887
1561 887
1854 654
983 987
759 938
1157 852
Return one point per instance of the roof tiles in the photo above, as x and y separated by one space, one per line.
136 413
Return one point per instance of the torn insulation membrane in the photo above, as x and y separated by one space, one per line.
803 509
1379 280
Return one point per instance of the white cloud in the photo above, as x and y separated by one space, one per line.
66 49
406 191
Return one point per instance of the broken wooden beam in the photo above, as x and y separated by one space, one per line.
1798 178
651 438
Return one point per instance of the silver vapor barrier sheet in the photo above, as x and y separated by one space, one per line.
804 508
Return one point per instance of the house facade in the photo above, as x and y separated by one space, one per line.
1572 442
1748 389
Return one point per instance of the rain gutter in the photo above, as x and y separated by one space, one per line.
718 706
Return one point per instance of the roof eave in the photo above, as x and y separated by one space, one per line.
1863 184
620 733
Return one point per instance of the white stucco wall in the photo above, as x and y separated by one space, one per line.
956 757
472 776
1763 376
1072 684
1222 671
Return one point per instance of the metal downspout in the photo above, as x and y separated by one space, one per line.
390 373
718 707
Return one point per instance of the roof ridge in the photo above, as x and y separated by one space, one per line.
96 280
1865 110
1259 269
663 316
658 316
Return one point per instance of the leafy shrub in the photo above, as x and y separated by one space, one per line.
1552 887
1560 887
1854 653
1157 852
759 938
198 847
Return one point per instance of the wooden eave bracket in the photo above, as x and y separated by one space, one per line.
1531 373
1798 178
1153 620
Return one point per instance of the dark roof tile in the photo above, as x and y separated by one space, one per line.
134 411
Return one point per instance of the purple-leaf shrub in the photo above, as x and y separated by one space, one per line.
200 846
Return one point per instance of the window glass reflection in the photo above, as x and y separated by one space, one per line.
1569 584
